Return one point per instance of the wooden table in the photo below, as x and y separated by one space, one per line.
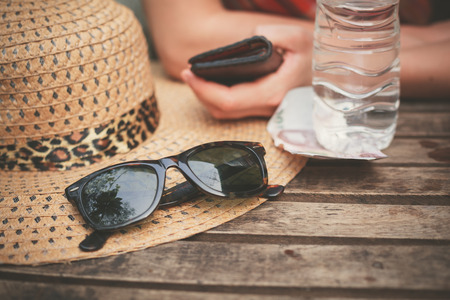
343 229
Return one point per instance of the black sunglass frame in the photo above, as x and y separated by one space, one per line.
160 166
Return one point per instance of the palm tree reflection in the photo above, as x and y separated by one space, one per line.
101 200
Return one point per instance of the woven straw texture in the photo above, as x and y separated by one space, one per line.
69 71
37 223
98 57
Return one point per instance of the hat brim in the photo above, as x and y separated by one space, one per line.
38 224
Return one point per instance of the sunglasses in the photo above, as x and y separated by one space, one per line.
126 193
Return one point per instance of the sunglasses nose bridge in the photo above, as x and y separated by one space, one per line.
168 162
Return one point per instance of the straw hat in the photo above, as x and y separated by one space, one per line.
77 94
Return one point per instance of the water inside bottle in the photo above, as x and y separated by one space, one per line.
356 74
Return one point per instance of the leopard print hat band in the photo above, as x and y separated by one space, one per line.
75 84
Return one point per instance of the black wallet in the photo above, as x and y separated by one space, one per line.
243 61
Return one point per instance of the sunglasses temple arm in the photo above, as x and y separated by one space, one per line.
178 194
186 191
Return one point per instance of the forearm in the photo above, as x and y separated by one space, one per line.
181 29
425 71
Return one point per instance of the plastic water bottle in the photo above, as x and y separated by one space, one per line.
356 74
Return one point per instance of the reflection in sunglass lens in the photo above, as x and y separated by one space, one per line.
119 195
227 169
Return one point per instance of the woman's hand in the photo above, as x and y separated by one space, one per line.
262 96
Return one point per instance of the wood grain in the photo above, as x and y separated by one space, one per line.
368 179
343 220
31 290
421 152
279 266
424 105
423 124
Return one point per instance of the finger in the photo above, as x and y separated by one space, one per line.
212 95
258 98
225 102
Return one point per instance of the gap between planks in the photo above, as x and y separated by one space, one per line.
291 195
215 237
324 292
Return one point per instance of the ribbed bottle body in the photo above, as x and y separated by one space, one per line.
356 74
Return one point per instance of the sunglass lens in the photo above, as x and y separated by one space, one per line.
119 195
227 169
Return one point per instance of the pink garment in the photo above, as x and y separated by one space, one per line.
419 12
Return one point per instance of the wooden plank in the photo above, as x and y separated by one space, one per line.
418 152
424 105
412 152
31 290
365 178
391 199
243 266
343 221
423 124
